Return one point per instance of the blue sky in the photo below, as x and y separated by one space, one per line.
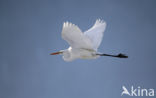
31 29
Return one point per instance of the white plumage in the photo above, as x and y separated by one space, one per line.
95 34
84 45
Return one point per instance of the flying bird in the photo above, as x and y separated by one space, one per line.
83 45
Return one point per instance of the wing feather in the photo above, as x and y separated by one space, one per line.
74 36
95 34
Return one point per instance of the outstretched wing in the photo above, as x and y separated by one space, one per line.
95 34
73 35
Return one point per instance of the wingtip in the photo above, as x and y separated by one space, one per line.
68 24
100 21
65 24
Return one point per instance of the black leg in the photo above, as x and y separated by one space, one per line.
119 55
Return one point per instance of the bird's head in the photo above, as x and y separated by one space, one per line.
66 54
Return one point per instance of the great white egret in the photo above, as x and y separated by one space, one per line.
83 45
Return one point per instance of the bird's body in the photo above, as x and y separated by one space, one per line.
83 45
75 53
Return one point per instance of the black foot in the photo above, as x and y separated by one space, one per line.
122 55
